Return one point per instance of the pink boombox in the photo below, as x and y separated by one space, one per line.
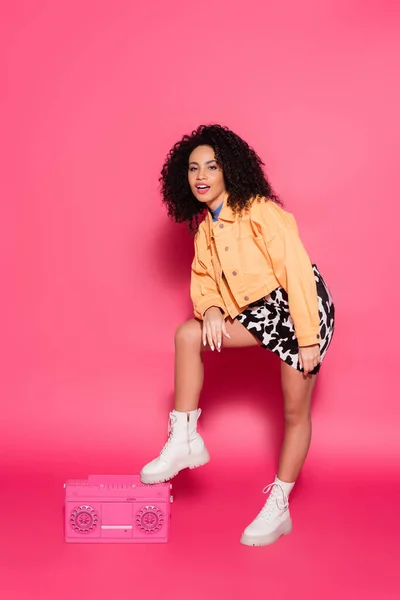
119 509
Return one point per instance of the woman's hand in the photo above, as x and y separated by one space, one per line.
309 357
214 328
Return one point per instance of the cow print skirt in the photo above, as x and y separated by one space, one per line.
270 322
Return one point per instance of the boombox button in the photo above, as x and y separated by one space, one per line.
171 498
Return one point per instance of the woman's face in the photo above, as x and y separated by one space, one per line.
205 176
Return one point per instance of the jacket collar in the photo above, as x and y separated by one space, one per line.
226 213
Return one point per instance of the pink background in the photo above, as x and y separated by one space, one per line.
96 279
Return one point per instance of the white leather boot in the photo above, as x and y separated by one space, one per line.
274 518
184 449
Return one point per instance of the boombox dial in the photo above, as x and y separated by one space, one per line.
84 519
149 519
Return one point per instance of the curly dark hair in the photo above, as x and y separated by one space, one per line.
241 166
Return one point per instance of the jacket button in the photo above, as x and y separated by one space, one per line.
318 337
246 298
234 273
221 225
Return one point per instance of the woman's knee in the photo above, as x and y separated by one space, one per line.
188 334
297 413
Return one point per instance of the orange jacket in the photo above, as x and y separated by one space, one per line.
241 259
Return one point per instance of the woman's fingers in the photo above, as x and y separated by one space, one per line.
204 334
210 336
310 365
216 334
219 337
207 335
214 328
309 358
224 331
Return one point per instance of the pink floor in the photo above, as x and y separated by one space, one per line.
345 539
344 543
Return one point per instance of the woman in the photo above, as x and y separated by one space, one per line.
252 283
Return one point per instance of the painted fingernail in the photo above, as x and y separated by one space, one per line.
219 345
212 348
204 343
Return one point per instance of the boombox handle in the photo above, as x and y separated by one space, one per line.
133 480
114 479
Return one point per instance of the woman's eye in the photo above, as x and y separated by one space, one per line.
192 168
213 167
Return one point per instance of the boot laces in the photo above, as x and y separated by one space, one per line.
277 500
172 430
171 422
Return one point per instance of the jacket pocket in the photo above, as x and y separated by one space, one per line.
204 259
253 254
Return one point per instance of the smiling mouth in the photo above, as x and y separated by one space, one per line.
202 189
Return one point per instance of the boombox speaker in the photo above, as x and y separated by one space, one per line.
116 509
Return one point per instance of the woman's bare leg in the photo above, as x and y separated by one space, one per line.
297 392
189 369
274 519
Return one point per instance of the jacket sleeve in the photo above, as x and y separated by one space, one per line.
294 272
203 287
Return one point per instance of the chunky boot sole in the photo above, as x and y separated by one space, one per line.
269 538
190 462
